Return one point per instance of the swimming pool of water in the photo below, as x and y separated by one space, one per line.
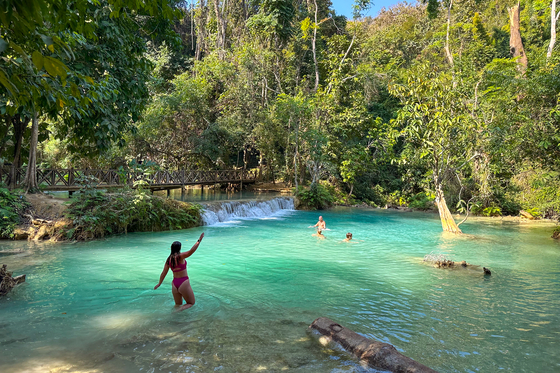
260 283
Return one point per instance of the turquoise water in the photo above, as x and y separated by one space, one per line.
260 283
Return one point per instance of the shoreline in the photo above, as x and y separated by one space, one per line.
46 220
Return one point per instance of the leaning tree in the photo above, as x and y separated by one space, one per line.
436 128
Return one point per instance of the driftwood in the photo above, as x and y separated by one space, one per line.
445 263
7 282
525 214
376 354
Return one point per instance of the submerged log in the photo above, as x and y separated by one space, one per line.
7 282
376 354
440 261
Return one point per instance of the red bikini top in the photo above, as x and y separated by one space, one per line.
180 268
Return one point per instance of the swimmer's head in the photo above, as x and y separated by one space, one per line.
175 247
320 218
348 235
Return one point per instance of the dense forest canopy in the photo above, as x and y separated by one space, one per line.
455 100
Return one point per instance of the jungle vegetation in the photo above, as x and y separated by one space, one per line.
452 102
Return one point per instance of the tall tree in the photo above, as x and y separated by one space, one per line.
515 42
553 19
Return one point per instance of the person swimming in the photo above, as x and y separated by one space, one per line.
348 237
180 286
319 234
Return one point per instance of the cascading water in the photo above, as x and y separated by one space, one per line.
226 211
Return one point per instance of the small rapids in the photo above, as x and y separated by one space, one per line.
231 210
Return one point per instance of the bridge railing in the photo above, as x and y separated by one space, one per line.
71 177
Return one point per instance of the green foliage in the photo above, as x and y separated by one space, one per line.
538 191
535 212
477 208
422 201
12 206
492 211
97 214
317 197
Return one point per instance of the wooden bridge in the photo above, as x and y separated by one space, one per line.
73 180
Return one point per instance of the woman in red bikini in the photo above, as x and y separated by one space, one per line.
181 286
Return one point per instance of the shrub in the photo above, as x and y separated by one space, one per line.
97 214
492 211
556 232
422 201
317 197
12 206
477 208
535 212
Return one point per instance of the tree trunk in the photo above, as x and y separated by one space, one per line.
295 158
553 18
222 27
447 49
4 133
515 42
19 129
201 22
370 352
315 49
30 182
447 222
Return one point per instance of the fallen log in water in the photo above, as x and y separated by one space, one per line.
376 354
440 261
7 282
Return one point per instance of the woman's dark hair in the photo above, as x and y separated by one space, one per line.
173 259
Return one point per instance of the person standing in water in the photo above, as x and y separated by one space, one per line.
321 224
181 286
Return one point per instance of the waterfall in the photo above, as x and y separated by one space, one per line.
226 211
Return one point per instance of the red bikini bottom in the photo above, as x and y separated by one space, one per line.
179 281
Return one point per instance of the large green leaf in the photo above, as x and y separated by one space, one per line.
37 58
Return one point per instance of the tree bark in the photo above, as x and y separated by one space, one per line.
4 133
30 181
315 49
447 222
295 157
553 18
447 49
201 31
222 27
19 129
515 42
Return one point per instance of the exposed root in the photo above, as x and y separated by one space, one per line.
7 282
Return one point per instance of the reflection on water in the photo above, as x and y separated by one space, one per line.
90 307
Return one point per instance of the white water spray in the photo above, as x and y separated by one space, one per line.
231 210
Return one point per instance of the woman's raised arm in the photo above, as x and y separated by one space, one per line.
193 249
